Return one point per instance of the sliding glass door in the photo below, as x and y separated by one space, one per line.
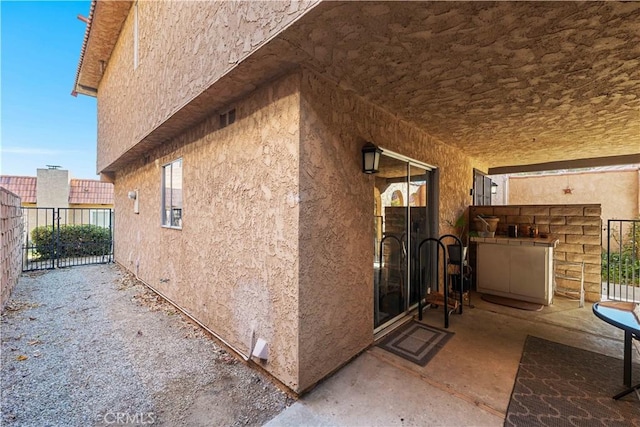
402 219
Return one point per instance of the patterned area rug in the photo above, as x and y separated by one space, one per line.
415 342
559 385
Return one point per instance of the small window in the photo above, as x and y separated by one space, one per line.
172 194
100 217
481 189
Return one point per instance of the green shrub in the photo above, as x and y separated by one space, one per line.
624 266
71 241
42 238
622 269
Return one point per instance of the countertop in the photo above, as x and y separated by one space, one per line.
515 241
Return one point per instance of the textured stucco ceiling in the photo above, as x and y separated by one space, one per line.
511 83
517 85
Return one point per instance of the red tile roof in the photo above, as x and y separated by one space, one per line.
90 192
81 191
23 186
87 30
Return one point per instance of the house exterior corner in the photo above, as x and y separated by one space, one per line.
233 263
272 232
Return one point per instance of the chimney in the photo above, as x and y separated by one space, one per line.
52 188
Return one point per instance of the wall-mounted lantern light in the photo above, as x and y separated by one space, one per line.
370 158
494 188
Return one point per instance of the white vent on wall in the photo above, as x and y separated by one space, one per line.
261 349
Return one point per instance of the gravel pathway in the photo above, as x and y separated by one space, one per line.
92 346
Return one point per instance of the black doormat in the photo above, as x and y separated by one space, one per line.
559 385
415 342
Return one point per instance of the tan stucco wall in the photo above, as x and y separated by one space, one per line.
336 251
617 192
277 215
205 41
234 264
336 216
276 233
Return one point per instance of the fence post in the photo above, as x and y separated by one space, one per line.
56 240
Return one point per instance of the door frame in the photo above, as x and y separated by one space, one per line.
433 213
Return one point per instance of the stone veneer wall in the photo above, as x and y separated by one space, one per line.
11 228
577 227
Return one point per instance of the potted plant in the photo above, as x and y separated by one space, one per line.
456 253
485 225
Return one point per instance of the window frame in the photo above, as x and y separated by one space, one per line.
167 218
481 189
103 213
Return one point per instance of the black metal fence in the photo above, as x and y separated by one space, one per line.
64 237
621 263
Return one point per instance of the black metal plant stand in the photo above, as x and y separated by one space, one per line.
439 247
458 263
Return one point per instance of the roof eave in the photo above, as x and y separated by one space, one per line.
104 24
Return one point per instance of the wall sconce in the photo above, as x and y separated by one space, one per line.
494 188
133 195
370 158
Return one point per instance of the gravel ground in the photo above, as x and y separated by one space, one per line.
93 346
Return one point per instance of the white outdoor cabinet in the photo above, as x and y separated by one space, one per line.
518 268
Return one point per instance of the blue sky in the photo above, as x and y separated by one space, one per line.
40 122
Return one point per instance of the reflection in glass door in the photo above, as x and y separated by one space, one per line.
419 228
401 221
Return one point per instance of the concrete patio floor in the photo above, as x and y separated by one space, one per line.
469 382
